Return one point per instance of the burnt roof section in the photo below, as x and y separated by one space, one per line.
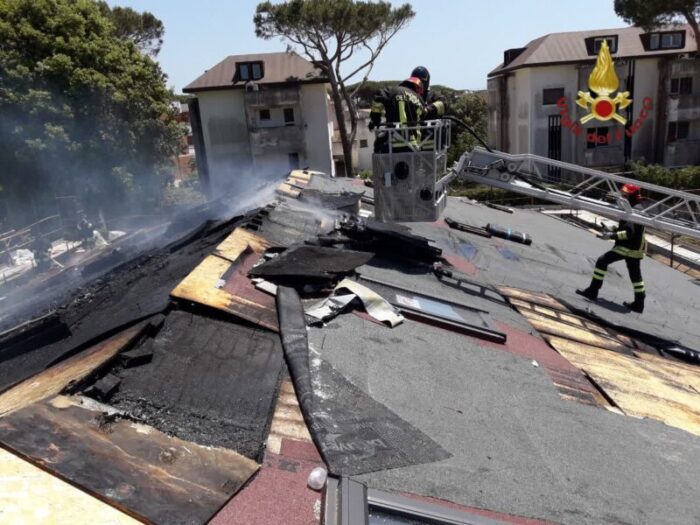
570 47
280 68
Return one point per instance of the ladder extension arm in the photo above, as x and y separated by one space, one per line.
582 188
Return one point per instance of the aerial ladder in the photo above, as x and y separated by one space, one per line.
411 178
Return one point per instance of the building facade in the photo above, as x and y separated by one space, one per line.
532 98
256 117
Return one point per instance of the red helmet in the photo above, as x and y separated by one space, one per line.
415 83
631 191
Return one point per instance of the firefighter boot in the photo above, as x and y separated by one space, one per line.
638 304
591 293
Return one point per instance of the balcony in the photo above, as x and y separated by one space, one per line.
272 98
284 138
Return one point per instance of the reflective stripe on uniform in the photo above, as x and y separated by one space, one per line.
639 287
627 252
622 235
599 274
403 118
439 107
378 107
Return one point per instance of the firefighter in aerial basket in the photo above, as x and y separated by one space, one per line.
629 246
403 107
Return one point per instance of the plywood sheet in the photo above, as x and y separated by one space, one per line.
238 242
644 387
549 326
209 284
134 467
541 299
53 380
30 496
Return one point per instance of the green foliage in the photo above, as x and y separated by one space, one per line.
83 110
472 109
365 174
143 29
331 32
651 14
687 178
480 192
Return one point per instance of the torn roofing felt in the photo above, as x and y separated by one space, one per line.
345 201
311 262
129 293
354 433
391 240
210 381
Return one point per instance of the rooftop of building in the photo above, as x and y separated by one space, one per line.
571 47
278 69
500 395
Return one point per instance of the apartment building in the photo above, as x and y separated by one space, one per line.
255 117
532 98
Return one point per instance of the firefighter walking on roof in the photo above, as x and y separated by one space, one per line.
629 246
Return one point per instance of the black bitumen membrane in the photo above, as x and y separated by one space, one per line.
354 432
517 446
561 259
123 296
211 381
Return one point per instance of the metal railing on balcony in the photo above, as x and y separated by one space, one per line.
272 98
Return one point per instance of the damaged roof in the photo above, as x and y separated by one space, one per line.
278 69
453 368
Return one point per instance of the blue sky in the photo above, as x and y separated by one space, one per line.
460 41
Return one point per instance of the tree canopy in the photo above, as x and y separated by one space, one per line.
143 29
650 14
84 111
331 32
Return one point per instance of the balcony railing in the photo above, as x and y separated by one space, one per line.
272 98
288 138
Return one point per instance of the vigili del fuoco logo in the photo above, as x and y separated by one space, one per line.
601 105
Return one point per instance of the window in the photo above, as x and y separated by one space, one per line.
669 40
249 71
678 130
598 42
264 114
348 501
550 96
363 143
243 72
594 137
288 116
293 161
681 86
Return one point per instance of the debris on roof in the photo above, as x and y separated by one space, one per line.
451 367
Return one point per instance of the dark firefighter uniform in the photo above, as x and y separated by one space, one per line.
401 104
435 105
629 246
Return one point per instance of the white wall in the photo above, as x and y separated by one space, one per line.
317 131
225 137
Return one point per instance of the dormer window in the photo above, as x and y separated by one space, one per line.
594 43
666 40
598 42
246 71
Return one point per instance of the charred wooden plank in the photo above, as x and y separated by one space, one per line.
71 371
139 470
